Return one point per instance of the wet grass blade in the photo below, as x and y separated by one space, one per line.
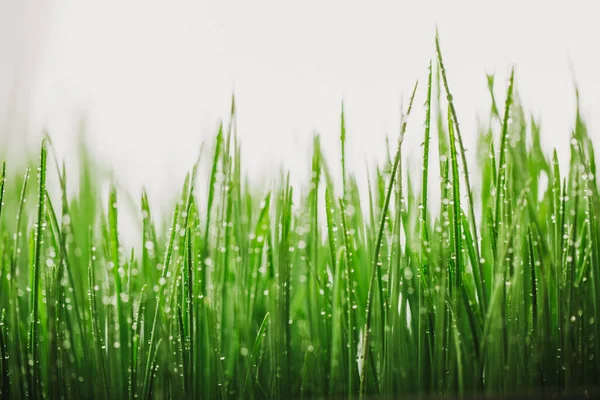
472 218
375 266
502 161
148 374
39 232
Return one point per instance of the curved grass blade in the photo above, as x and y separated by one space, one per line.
148 374
480 284
501 171
254 360
375 266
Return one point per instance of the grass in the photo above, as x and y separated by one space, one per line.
490 289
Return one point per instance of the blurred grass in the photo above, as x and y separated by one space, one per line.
308 291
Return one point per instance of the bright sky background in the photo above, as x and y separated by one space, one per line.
154 77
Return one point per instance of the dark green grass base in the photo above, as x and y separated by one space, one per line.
492 289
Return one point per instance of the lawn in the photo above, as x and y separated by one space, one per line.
327 289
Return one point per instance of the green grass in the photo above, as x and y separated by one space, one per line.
313 291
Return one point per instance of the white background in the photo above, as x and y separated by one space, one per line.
153 77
